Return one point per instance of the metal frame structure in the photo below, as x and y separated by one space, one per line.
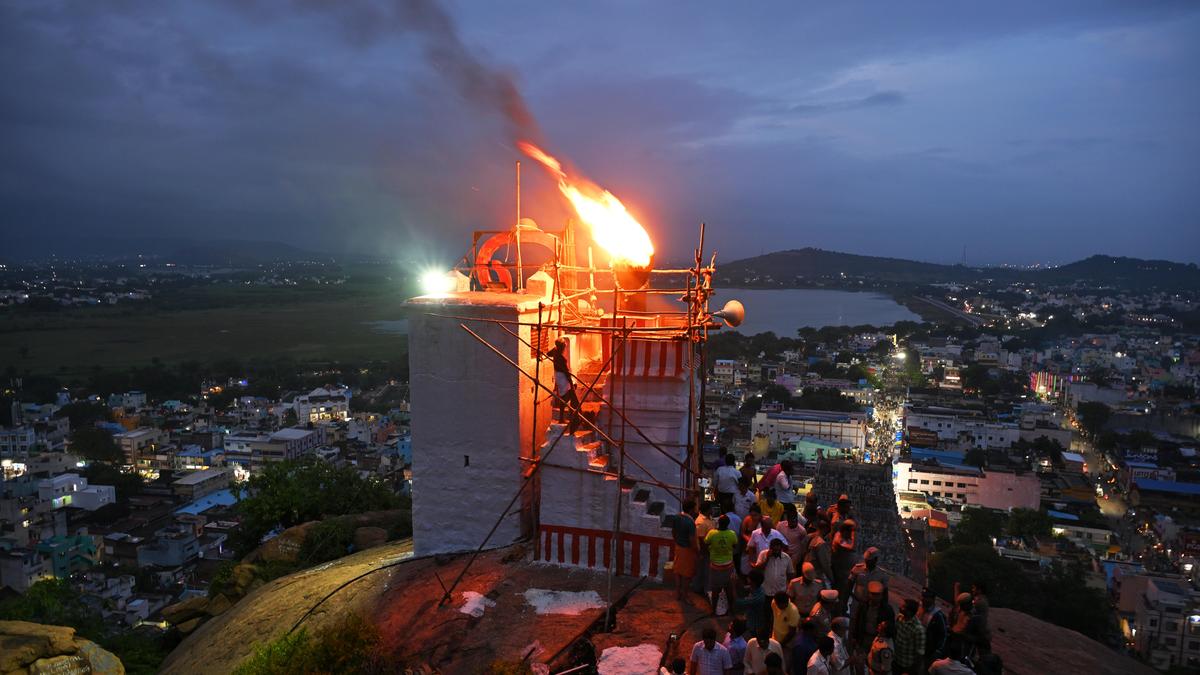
567 315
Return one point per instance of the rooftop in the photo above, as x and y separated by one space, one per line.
198 477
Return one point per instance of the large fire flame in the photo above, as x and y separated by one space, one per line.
613 227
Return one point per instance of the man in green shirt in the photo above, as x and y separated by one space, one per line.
720 544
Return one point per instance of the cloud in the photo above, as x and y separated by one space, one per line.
879 99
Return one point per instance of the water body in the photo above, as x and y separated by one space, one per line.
397 327
782 310
785 310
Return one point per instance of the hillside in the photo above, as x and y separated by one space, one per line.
808 266
400 598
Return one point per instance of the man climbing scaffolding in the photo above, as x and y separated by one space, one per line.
564 384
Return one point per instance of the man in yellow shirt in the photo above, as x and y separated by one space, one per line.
720 544
787 622
770 506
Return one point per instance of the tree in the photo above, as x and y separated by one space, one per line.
1093 415
979 526
826 398
85 413
95 444
976 457
103 473
294 492
54 602
1008 584
1028 523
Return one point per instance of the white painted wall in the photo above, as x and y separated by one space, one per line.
471 421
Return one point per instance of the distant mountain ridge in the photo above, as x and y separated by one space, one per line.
799 267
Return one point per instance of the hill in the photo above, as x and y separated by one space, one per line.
495 618
808 266
1126 272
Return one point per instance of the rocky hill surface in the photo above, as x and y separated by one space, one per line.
499 612
36 648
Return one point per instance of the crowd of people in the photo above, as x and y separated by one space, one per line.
804 595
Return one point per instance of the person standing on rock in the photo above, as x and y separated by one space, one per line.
749 470
881 656
786 623
864 622
735 642
910 640
784 490
775 565
805 590
743 499
839 661
720 544
965 629
819 553
705 523
792 528
839 511
710 657
823 612
757 651
725 480
841 558
936 627
863 573
683 530
819 664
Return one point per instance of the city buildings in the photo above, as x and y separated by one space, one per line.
846 429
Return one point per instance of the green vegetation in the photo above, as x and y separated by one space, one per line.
53 602
208 324
95 444
294 492
348 646
1061 596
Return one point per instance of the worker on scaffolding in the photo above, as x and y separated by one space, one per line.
564 384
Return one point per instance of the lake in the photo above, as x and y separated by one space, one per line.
784 310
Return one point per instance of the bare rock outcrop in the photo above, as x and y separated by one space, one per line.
33 647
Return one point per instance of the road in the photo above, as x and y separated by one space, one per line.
969 318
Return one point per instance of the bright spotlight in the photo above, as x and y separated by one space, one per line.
436 282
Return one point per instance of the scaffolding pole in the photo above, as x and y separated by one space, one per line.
532 471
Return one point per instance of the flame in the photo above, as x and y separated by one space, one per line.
612 226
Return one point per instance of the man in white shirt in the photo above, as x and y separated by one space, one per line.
757 650
710 657
762 537
743 499
726 482
775 566
839 661
818 663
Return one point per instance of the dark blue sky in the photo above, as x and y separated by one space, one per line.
1026 131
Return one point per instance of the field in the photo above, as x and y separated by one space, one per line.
220 323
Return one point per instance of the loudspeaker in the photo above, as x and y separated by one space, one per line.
733 313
